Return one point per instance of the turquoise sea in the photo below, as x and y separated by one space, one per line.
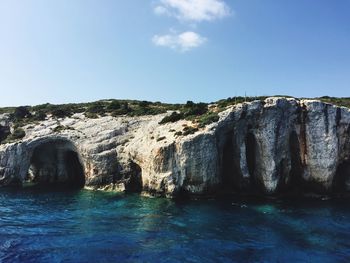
88 226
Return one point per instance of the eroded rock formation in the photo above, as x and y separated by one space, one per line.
270 146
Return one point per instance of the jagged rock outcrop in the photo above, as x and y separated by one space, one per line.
271 146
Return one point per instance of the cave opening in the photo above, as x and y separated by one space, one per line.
341 182
133 183
55 164
250 143
296 171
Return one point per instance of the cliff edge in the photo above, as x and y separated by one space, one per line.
271 146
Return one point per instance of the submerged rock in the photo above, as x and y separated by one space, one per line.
271 146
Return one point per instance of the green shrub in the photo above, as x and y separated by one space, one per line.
119 112
142 111
189 130
144 104
61 112
18 124
18 133
40 115
91 115
173 117
114 105
189 104
178 133
79 109
22 112
156 110
47 107
59 128
195 109
96 107
124 110
161 138
345 102
208 119
7 110
238 99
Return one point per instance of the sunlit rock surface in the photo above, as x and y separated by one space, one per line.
271 146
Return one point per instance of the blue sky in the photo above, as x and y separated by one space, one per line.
172 50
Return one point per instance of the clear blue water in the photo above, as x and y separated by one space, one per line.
86 226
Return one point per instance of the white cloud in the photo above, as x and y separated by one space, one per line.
161 10
193 10
182 42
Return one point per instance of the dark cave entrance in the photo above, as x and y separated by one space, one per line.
133 184
250 144
341 182
55 164
296 171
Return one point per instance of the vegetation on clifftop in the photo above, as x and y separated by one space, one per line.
198 113
344 102
201 114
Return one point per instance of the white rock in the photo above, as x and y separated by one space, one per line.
249 147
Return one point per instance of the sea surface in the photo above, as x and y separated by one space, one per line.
88 226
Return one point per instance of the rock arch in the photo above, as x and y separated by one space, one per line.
133 183
54 162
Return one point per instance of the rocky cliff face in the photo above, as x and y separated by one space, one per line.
271 146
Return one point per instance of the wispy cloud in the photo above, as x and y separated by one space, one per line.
181 42
190 13
193 10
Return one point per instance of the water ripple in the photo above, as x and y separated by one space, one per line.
87 226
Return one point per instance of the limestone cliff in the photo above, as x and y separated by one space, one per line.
279 144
